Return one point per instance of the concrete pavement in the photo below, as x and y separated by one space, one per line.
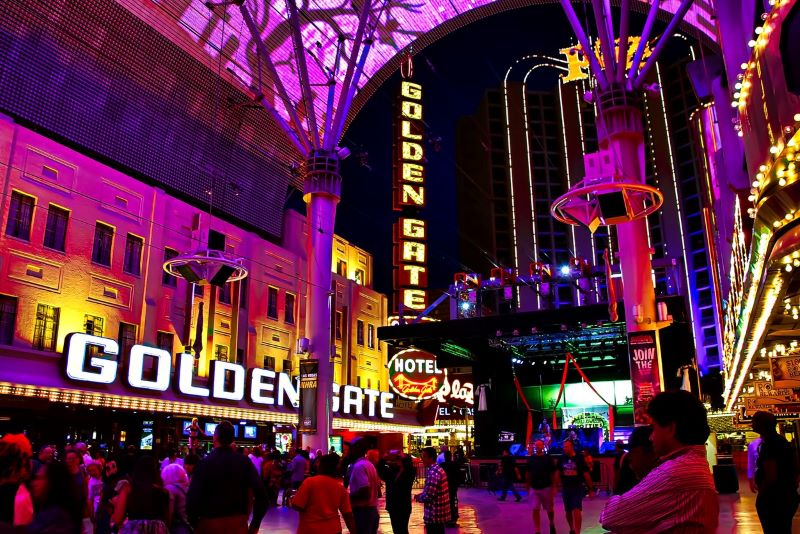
482 513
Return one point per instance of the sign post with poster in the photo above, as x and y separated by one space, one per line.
308 395
645 371
785 371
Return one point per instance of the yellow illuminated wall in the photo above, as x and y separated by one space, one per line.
259 326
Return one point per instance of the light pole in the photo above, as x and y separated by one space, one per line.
619 194
316 142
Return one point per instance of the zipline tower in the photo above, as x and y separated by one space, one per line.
614 191
314 127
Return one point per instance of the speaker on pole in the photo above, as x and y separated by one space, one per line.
188 273
221 277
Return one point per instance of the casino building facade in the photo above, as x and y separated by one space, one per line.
84 246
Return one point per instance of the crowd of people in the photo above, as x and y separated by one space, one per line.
71 491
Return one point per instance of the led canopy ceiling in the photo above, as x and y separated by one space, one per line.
329 29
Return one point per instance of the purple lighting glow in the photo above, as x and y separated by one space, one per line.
395 25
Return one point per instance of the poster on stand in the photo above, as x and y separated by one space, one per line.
308 395
645 375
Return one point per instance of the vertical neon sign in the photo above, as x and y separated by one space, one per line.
409 196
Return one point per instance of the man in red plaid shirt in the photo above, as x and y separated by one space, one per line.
435 495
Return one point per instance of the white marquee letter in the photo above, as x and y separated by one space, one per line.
185 376
136 368
76 356
220 373
258 386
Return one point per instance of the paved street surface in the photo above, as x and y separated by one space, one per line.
481 513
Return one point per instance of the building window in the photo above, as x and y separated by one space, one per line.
132 263
221 353
55 233
20 216
272 302
360 333
269 362
359 277
93 325
165 341
288 311
166 278
371 336
198 290
127 338
287 366
45 331
103 239
341 268
225 293
338 324
8 319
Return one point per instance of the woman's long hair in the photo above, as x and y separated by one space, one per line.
61 491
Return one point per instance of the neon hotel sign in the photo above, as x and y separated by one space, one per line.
227 381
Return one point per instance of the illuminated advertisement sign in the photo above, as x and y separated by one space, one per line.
410 231
309 370
414 375
578 63
645 372
785 371
227 381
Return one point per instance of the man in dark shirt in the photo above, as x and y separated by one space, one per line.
508 475
637 462
573 473
541 472
776 477
222 487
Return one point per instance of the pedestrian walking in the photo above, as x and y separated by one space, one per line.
299 468
176 482
775 477
573 473
321 499
509 473
364 487
223 488
58 508
540 479
453 472
435 495
399 475
16 505
142 507
637 462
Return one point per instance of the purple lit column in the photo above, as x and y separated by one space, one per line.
323 184
620 131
